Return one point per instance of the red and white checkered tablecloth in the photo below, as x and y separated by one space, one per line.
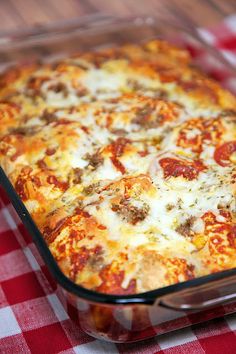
32 318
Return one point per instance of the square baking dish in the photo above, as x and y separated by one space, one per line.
117 318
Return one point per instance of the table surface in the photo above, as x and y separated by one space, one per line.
21 13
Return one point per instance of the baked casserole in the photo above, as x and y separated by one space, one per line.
125 158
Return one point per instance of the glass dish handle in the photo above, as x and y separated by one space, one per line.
205 296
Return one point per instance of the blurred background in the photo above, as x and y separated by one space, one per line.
16 14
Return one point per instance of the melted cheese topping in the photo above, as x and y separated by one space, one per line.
125 160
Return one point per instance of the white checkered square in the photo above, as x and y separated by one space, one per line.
57 307
35 253
4 226
231 321
175 338
11 218
207 36
31 259
229 56
97 347
8 323
231 23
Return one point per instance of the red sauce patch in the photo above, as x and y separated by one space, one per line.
202 87
8 110
10 141
118 165
117 149
101 227
143 153
175 168
10 76
42 164
51 232
20 188
16 155
82 212
51 151
62 121
222 234
53 180
210 218
35 83
232 237
222 153
209 130
85 129
80 258
112 278
180 267
36 181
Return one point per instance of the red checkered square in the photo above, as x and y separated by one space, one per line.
3 299
3 197
49 339
8 242
15 288
222 343
25 234
45 285
184 348
48 276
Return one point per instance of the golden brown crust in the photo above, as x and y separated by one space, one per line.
125 159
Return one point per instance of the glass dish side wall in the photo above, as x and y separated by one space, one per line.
132 323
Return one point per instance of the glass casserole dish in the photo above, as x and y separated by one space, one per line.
116 318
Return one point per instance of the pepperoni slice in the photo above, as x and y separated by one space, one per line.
175 168
222 153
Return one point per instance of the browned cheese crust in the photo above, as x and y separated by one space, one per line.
125 158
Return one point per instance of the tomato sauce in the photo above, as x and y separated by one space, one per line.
175 168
